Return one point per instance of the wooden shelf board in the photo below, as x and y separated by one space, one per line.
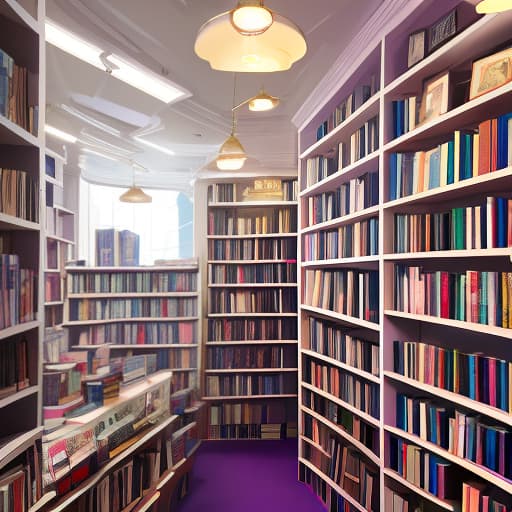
71 323
45 498
10 223
461 253
113 295
484 473
366 262
246 397
251 204
18 444
116 270
22 15
13 134
343 433
483 328
252 235
463 401
373 211
418 490
354 410
18 395
18 329
339 316
251 370
60 239
342 365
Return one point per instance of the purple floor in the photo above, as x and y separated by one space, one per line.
248 476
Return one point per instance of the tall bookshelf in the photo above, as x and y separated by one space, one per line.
21 162
404 357
250 349
59 250
138 310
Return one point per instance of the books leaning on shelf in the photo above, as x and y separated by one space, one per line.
17 292
14 370
19 194
117 248
15 101
468 153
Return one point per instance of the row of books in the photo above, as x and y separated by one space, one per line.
464 435
347 241
134 333
62 383
132 282
467 154
269 356
405 115
20 481
332 340
424 469
351 389
183 380
255 249
360 95
481 378
14 371
277 220
15 103
333 500
249 413
351 292
480 497
268 189
481 297
266 300
55 342
116 248
253 273
19 194
249 431
484 226
18 291
363 142
182 359
360 430
104 309
52 287
353 196
251 329
319 168
348 469
250 385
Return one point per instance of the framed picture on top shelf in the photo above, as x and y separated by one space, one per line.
417 47
491 72
442 30
435 98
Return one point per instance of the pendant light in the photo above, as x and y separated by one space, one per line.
231 155
250 38
261 102
135 194
491 6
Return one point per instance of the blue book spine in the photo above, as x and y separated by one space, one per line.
491 448
393 176
502 228
451 162
401 411
471 376
502 156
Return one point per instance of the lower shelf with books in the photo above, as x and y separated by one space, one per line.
253 419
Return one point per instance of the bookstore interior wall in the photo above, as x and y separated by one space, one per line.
405 236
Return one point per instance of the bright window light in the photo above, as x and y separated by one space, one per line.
67 137
167 151
144 80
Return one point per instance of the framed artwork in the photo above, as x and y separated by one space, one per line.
442 30
435 98
417 47
490 73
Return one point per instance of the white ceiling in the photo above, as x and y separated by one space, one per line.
160 35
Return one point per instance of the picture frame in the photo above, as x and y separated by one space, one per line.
417 47
490 72
435 98
442 30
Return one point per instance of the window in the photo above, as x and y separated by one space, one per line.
164 226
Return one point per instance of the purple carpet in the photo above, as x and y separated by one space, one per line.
248 476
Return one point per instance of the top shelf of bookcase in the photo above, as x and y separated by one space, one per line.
21 12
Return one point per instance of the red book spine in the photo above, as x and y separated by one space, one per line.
445 299
492 381
484 151
474 296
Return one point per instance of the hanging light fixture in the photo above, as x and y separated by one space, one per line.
261 102
250 38
251 18
490 6
135 195
231 155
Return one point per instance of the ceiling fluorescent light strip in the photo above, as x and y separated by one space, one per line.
100 154
67 137
162 149
133 75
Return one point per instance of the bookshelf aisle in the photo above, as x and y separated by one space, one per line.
405 265
250 352
59 249
133 311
